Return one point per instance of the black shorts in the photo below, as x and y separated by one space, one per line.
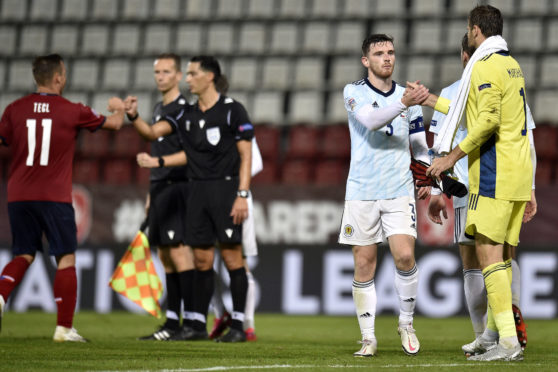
167 213
30 219
209 208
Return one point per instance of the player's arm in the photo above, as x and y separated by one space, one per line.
531 207
116 120
172 160
433 101
148 132
239 210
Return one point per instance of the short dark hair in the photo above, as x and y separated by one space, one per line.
175 57
44 68
374 39
488 18
466 47
210 64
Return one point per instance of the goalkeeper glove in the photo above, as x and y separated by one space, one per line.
448 185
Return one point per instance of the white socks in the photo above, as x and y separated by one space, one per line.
364 297
516 283
406 286
250 302
475 297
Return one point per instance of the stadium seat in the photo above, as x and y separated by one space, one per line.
199 9
306 106
345 70
189 38
118 172
461 8
546 141
268 107
252 38
33 40
544 176
549 67
86 171
349 36
284 37
453 34
136 9
95 144
356 8
427 36
157 39
392 8
126 39
127 142
296 172
8 37
43 10
261 8
229 9
276 73
336 107
14 10
95 40
335 143
292 8
527 35
303 142
19 76
143 74
220 38
428 7
324 9
244 73
84 74
105 9
544 107
331 172
116 74
538 7
309 73
268 175
269 141
506 7
317 37
74 9
64 39
451 69
393 28
529 65
167 9
552 34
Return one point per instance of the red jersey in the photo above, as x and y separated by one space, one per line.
41 130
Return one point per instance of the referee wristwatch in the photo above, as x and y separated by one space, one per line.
243 193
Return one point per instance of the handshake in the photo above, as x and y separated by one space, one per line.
447 184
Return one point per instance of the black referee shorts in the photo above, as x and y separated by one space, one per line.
167 212
208 218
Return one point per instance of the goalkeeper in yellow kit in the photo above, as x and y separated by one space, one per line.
500 171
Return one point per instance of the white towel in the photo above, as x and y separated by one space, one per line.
444 139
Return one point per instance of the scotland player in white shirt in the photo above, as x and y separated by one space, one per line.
475 291
379 200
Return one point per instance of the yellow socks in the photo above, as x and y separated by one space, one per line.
498 290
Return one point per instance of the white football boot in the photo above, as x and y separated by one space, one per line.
409 340
63 334
477 347
368 349
500 353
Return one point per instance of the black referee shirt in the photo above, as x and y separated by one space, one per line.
168 144
210 138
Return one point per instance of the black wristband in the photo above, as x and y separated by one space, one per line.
132 118
161 162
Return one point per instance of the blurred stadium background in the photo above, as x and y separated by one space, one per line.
287 62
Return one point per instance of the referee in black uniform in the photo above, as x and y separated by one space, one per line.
166 203
217 134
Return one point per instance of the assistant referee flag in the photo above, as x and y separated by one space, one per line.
135 276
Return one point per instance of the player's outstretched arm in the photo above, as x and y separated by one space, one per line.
116 120
173 160
148 132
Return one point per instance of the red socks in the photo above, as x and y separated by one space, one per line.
12 275
65 294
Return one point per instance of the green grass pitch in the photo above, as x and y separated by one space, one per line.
299 343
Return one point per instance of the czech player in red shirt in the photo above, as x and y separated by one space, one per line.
41 130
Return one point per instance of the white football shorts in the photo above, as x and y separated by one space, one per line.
367 222
460 217
249 244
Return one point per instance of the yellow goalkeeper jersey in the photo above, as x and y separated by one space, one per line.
497 143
